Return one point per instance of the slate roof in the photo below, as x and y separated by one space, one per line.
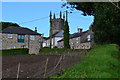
74 35
45 38
19 30
57 34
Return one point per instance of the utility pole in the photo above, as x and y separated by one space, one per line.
50 37
50 29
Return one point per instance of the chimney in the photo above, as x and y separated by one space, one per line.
91 27
35 29
79 30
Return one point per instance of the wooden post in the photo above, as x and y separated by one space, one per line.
45 68
18 71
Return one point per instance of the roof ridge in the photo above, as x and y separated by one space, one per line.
20 30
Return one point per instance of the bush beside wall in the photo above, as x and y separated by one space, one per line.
17 51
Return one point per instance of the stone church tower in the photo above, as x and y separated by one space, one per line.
56 24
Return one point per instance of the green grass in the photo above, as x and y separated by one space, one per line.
102 62
53 51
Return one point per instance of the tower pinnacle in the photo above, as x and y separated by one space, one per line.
66 15
60 14
50 15
54 16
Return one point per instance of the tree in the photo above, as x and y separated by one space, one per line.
66 35
106 20
8 24
106 23
86 7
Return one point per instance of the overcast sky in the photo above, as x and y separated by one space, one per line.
36 14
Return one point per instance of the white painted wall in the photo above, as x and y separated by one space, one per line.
47 43
57 39
44 44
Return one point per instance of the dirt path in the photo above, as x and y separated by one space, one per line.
33 66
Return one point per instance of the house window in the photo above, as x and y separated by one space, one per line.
11 46
21 38
32 37
88 37
9 35
76 38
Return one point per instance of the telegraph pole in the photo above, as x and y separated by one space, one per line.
50 29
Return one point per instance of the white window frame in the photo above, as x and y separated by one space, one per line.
32 37
76 38
10 36
88 37
11 46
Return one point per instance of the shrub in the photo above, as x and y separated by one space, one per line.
55 47
17 51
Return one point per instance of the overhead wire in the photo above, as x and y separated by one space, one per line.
38 19
34 20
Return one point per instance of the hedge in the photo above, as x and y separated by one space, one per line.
17 51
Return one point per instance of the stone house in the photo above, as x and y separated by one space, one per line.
20 37
79 40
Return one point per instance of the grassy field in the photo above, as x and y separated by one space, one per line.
54 51
102 62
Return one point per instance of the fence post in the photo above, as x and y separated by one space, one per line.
18 71
61 65
45 68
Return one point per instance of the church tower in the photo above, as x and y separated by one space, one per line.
56 24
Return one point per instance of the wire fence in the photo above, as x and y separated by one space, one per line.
47 67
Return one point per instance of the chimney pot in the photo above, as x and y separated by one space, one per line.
35 29
79 30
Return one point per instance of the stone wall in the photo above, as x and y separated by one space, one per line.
86 45
57 25
76 44
33 45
